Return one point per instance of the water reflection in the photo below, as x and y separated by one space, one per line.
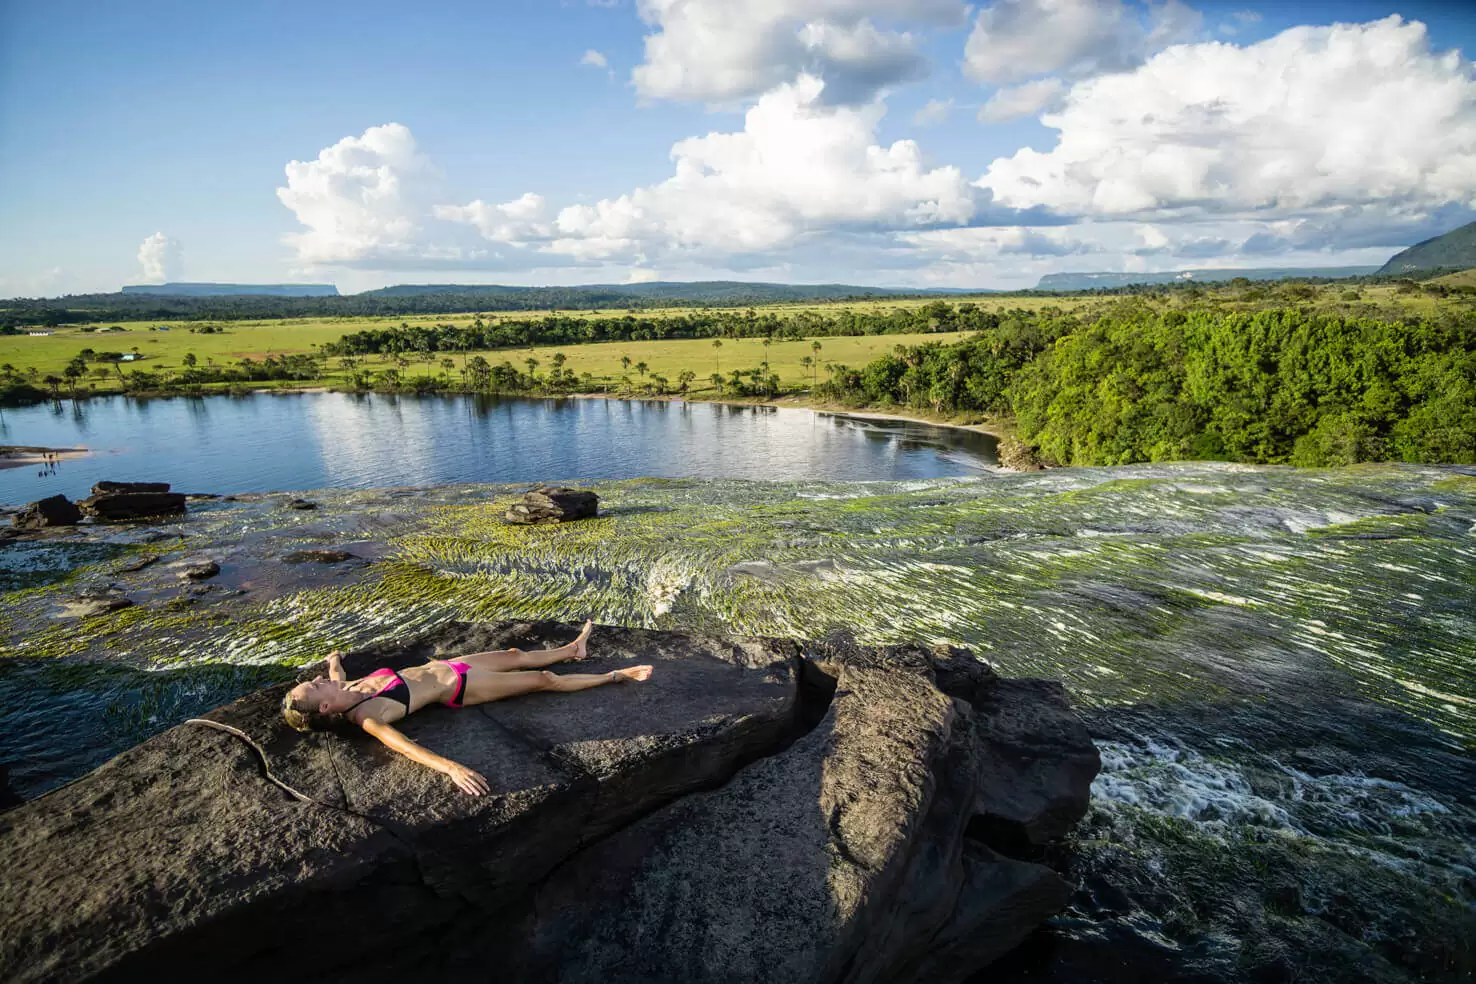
267 442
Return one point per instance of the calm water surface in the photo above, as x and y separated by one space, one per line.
270 442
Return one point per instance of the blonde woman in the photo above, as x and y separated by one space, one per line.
376 701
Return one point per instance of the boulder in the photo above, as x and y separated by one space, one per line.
124 506
747 814
202 569
1037 765
109 488
300 504
86 606
552 504
55 510
318 556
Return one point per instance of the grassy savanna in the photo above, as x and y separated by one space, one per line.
166 351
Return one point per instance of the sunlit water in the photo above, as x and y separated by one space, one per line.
268 442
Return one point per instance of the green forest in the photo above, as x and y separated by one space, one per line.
1278 386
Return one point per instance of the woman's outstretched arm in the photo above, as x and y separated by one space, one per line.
466 780
335 668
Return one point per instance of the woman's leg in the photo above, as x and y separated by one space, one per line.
505 660
483 687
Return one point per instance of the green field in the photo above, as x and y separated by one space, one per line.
164 348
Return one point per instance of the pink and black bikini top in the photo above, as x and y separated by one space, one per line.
395 689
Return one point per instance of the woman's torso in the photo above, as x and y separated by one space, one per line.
391 696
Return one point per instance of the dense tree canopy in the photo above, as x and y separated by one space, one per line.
1275 386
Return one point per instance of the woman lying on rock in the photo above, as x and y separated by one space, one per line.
376 701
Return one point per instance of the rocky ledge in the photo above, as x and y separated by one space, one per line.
758 811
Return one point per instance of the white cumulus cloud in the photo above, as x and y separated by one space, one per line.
1021 100
720 50
520 220
1315 117
362 200
1014 40
595 59
798 167
160 258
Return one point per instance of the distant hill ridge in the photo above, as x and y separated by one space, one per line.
233 290
1454 250
1107 281
705 291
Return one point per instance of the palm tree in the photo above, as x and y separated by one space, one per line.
684 379
717 380
807 362
625 362
717 343
642 368
815 347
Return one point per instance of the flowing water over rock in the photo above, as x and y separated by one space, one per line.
1279 665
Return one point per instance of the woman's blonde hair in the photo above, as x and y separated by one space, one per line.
303 717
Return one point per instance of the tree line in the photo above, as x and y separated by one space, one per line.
557 329
1280 386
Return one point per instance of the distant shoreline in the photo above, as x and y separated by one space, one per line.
20 455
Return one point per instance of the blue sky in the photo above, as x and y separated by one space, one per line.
825 140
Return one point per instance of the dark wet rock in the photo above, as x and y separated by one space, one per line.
8 796
318 556
55 510
134 566
300 504
198 570
745 815
554 504
126 506
87 607
1036 766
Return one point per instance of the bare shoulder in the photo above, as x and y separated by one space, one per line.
376 712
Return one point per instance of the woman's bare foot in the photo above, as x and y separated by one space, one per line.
581 645
633 674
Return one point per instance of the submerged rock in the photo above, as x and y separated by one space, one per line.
54 510
318 556
553 504
770 830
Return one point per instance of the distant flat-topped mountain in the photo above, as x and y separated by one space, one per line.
1107 281
227 290
1455 250
703 291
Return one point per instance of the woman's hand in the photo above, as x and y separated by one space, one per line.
466 780
335 666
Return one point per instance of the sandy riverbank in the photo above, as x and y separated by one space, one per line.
20 456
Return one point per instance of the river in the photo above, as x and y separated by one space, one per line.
267 442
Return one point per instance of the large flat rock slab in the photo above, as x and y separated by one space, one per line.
180 855
840 858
